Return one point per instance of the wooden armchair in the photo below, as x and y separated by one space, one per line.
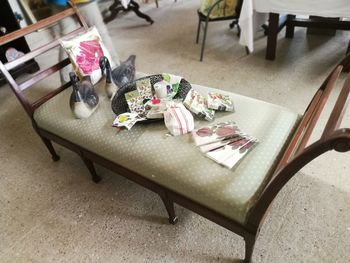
188 178
19 88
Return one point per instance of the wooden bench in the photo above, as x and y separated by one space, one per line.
171 166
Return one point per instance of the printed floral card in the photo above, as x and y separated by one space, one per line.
198 105
135 101
224 143
215 133
230 154
220 154
127 120
240 152
144 88
216 145
220 102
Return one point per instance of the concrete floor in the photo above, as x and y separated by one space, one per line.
52 212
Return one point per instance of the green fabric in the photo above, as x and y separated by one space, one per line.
223 9
175 162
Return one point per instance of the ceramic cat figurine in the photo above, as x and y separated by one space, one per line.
119 76
84 99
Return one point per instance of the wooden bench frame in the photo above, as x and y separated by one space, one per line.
295 156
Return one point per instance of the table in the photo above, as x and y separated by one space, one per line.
255 12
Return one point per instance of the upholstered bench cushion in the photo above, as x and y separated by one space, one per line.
175 162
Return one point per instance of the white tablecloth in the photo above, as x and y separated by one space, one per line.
255 12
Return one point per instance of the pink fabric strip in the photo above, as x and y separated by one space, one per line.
178 120
184 117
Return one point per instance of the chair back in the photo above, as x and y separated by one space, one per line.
216 9
297 153
19 88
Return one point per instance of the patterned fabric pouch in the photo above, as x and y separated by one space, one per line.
178 119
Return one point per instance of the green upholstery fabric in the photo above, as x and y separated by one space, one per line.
175 162
224 9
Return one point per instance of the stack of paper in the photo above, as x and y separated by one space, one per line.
223 143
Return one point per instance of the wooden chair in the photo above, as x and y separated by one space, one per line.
289 160
205 16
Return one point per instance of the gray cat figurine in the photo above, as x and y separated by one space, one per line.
119 76
84 99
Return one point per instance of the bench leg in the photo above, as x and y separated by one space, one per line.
169 206
249 247
55 157
91 169
272 36
289 27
